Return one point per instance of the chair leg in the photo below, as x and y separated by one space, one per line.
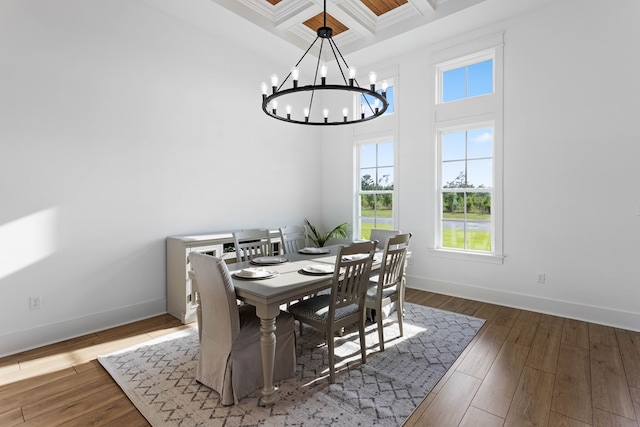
363 344
380 331
332 358
400 312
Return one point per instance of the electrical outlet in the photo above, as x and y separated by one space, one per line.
35 303
541 278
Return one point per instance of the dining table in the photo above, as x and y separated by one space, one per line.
284 278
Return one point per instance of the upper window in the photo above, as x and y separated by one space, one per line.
467 81
369 103
376 187
468 123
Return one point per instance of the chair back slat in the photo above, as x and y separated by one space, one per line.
394 260
293 237
351 275
250 244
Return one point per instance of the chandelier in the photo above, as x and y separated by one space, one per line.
336 97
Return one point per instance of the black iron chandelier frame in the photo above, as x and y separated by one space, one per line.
350 85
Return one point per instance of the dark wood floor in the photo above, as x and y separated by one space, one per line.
522 369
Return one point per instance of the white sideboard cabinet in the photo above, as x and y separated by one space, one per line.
181 298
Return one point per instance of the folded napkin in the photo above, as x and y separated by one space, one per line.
319 268
253 272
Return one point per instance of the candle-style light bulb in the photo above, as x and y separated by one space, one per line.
264 88
295 74
274 106
288 108
306 114
325 112
345 113
385 86
352 75
323 74
274 82
376 105
372 80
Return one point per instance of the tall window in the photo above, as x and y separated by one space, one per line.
376 188
468 123
466 189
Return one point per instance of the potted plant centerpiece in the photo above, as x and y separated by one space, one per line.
320 239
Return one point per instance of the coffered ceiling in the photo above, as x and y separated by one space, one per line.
356 23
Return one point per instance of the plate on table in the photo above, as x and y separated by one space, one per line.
319 269
254 274
314 251
269 260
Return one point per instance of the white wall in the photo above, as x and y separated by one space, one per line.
571 178
121 125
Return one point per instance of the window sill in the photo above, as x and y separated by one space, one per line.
467 256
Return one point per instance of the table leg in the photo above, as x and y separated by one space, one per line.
268 348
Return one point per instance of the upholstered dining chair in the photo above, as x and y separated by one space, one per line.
229 357
388 286
344 306
381 235
250 244
293 238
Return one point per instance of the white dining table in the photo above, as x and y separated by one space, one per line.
267 295
289 284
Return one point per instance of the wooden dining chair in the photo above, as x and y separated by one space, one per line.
344 306
381 235
252 243
388 285
293 238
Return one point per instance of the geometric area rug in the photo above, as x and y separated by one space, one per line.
158 376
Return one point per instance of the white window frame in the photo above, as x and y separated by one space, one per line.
359 192
469 113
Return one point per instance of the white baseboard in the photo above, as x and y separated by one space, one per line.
27 339
588 313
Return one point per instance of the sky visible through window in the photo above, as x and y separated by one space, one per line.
468 81
469 152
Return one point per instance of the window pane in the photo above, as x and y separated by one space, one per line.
384 211
478 233
480 143
367 203
479 208
368 179
367 156
385 179
376 211
453 145
385 154
453 175
453 220
453 205
479 173
454 84
480 78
